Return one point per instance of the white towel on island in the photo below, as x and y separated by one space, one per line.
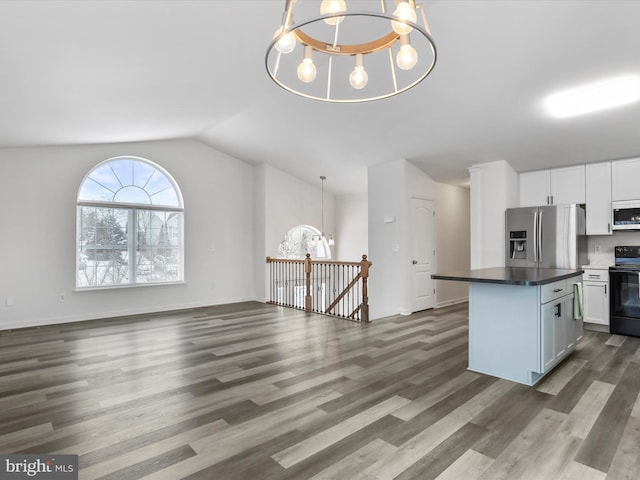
577 300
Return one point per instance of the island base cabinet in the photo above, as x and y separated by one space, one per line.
560 331
504 331
549 334
521 332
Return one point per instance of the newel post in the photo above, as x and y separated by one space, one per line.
307 274
364 272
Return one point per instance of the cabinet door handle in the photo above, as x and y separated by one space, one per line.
609 227
605 288
551 199
556 290
558 310
594 276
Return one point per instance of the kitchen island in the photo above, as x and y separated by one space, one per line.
522 321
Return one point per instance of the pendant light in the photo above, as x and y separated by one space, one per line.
329 239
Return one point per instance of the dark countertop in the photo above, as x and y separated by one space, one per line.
509 275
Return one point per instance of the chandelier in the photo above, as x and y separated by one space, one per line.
348 51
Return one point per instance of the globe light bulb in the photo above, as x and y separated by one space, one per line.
307 70
407 57
404 11
358 78
332 6
287 43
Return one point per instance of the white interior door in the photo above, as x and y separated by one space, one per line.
422 254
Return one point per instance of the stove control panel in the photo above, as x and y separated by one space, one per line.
627 251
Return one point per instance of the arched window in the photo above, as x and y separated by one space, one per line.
304 239
129 225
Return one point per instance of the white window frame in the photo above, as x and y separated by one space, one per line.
133 211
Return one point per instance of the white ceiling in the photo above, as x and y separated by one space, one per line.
81 72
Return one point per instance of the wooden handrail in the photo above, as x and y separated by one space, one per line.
285 260
314 262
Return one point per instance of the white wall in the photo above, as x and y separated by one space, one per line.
38 189
260 273
290 202
351 234
282 202
453 241
391 186
387 240
494 188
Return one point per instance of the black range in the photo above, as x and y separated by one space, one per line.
624 302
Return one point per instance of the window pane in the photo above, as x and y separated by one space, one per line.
142 173
129 181
123 169
161 191
102 246
104 175
132 194
91 190
158 246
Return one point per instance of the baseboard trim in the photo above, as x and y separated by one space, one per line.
596 327
455 301
41 322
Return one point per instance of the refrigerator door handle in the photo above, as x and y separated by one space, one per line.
539 239
535 236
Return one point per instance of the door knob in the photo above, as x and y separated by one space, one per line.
415 262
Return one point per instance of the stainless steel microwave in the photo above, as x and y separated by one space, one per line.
626 215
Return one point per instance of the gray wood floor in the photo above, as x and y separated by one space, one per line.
253 391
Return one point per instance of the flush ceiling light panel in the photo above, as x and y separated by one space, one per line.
594 97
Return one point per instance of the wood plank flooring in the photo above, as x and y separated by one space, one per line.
254 391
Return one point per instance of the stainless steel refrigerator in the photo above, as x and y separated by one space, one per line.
552 236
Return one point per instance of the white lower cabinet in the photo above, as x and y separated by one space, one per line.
560 331
596 296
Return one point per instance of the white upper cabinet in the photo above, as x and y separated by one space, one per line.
567 185
598 193
534 188
625 176
553 187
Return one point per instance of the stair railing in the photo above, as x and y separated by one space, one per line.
321 286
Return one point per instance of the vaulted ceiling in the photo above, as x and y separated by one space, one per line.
82 72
